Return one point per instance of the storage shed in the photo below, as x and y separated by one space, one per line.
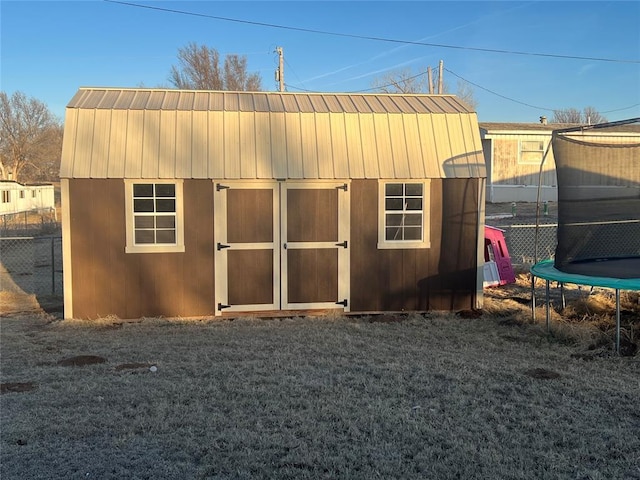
199 203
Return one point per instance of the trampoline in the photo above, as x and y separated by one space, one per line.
598 236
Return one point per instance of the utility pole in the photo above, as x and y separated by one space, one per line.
280 70
440 70
430 80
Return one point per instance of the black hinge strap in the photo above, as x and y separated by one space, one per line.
219 187
344 303
343 244
220 246
221 306
344 187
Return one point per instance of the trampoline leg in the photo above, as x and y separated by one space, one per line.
533 298
547 305
618 321
562 297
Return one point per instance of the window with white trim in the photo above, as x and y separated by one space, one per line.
154 216
403 214
531 151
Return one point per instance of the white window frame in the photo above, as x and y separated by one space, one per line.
131 246
425 242
523 149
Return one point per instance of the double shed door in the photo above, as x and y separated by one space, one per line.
281 246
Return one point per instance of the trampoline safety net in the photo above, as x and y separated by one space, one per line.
598 204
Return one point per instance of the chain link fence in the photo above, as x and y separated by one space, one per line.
31 265
32 222
521 242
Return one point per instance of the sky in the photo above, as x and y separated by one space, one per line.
523 59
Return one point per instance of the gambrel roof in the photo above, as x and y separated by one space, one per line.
162 133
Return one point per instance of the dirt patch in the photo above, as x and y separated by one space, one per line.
81 361
14 387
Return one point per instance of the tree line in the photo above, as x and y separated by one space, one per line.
31 136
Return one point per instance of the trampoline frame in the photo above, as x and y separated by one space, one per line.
547 271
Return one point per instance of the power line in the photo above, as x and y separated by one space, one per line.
498 94
374 38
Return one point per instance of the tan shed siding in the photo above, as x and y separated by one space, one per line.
100 147
231 140
151 145
84 143
117 144
294 146
168 145
415 159
184 134
69 139
263 145
340 154
369 150
354 145
383 146
215 150
248 159
323 135
398 147
433 168
309 145
133 149
278 145
169 134
199 145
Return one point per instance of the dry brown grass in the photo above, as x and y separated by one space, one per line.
422 396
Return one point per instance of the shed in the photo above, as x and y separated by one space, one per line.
199 203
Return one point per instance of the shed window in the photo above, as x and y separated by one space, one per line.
531 151
154 217
403 214
6 196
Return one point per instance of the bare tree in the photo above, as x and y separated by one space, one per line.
30 139
588 115
199 69
401 81
406 81
466 94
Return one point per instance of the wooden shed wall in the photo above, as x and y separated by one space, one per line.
108 281
442 277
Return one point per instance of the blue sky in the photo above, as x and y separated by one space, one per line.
51 48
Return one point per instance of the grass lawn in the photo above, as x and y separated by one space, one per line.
429 396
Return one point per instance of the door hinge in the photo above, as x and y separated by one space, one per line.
220 246
221 306
344 187
344 303
343 244
219 187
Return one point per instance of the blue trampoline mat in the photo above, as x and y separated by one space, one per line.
546 269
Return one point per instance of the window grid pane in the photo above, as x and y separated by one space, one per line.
154 214
403 211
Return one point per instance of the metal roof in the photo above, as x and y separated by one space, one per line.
156 133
